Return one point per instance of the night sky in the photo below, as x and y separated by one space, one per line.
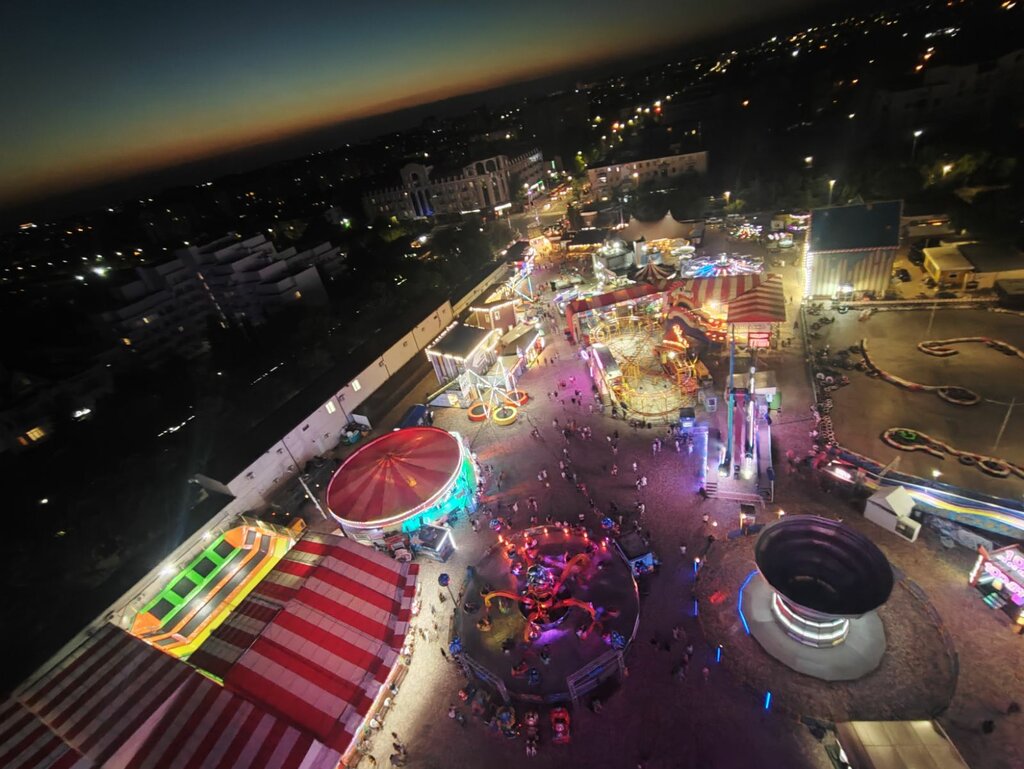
96 91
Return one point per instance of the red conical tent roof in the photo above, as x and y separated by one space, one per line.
394 474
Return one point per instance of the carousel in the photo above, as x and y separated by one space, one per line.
547 614
400 482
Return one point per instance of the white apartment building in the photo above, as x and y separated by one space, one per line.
161 313
605 179
953 92
164 310
479 186
247 279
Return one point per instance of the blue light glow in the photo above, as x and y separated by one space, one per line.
739 601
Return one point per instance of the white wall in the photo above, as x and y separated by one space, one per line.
425 332
463 304
400 353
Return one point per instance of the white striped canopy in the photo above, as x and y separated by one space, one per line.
317 638
697 292
115 702
765 303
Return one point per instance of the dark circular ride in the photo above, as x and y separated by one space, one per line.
823 574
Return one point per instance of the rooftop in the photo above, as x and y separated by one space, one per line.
948 258
992 257
856 228
459 341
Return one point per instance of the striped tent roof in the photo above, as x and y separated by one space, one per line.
28 743
318 637
696 292
396 473
655 274
115 701
764 304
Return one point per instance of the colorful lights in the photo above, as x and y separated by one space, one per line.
739 601
807 631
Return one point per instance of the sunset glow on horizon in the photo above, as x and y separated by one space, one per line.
121 89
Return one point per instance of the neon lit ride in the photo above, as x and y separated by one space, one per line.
547 613
812 604
400 481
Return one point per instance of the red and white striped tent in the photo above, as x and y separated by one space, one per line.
765 303
117 702
695 293
317 638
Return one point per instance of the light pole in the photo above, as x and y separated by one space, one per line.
727 194
831 186
302 482
913 146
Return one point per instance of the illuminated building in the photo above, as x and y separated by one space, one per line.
428 190
850 249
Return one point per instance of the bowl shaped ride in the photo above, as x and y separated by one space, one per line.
824 567
822 575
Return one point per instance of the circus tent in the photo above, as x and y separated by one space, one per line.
304 660
115 701
318 638
655 274
765 303
666 228
700 292
395 477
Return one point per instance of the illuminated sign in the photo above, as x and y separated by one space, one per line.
1011 559
759 339
1010 585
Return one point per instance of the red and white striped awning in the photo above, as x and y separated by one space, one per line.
28 743
117 702
318 637
764 304
697 292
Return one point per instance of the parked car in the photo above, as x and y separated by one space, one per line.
916 257
930 282
946 295
902 275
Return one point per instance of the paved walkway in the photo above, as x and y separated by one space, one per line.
655 718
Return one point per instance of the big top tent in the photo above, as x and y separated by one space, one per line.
115 701
765 303
399 480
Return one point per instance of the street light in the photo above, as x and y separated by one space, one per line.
831 186
727 196
913 146
947 168
809 161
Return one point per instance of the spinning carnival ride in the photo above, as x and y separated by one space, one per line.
542 605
